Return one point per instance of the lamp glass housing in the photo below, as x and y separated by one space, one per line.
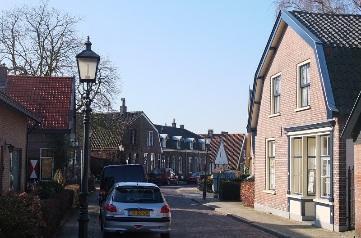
87 69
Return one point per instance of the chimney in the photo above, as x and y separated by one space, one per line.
181 126
210 132
3 76
123 108
224 133
174 124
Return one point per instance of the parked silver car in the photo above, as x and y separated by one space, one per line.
135 207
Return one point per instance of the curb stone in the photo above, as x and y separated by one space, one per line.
244 220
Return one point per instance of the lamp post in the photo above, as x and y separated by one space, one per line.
207 143
87 62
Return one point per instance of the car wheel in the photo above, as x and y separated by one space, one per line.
165 235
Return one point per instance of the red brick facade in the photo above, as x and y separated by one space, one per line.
293 51
247 193
13 130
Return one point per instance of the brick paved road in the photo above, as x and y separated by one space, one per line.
189 220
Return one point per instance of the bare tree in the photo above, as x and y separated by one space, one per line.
42 41
320 6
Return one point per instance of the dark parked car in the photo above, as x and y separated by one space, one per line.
195 177
163 176
112 174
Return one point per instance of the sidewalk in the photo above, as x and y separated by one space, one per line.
275 225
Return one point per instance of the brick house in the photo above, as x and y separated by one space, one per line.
52 100
226 151
352 131
122 137
182 150
14 123
304 88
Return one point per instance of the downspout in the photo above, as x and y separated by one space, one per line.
331 199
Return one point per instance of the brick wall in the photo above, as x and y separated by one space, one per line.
357 180
292 51
247 193
13 129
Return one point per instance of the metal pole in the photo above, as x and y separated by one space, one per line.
83 196
205 175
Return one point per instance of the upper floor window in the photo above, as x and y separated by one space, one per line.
304 85
191 145
276 94
150 140
133 136
164 142
325 166
46 163
178 144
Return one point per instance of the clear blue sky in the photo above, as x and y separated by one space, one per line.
192 60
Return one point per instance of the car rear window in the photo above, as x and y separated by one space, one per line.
125 173
137 195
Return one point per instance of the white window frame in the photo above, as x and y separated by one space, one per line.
300 86
299 189
325 158
132 136
41 164
178 143
164 142
274 96
150 141
318 134
270 182
191 145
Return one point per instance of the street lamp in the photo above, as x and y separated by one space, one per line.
87 62
207 143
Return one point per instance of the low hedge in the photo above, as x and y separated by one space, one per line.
35 217
229 190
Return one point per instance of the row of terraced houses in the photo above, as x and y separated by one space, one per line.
304 125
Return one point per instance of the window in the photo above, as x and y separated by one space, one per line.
164 142
311 165
191 145
271 157
275 104
180 165
46 164
325 166
133 136
150 140
297 166
304 85
178 144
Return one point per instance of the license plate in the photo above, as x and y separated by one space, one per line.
141 213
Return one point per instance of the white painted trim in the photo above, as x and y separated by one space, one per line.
271 93
298 89
303 108
322 201
273 192
310 132
299 196
274 115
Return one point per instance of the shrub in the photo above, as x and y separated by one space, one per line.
20 211
229 190
209 184
47 189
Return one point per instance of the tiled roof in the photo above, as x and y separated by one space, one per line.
50 98
107 129
176 131
7 100
334 30
340 35
232 145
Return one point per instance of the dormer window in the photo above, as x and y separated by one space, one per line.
191 145
177 140
150 140
163 140
178 144
303 89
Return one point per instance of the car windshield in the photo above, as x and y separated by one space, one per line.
137 195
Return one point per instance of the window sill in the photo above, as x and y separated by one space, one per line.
273 192
323 200
299 196
302 109
274 115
